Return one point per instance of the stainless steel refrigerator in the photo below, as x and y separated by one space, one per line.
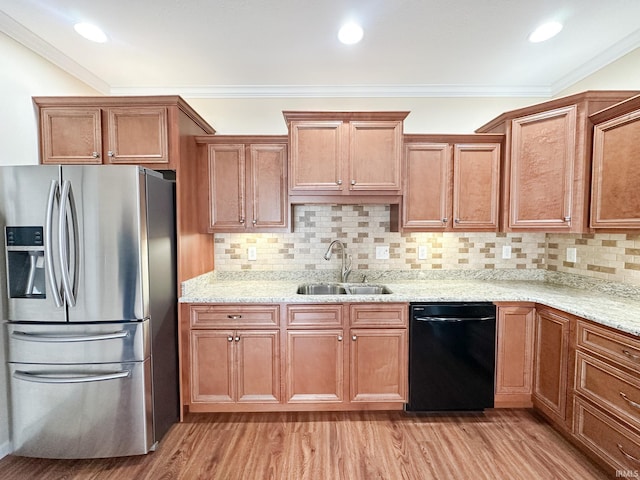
90 305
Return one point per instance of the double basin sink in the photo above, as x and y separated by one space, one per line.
342 289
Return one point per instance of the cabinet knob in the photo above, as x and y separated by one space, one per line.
456 220
354 338
445 220
111 154
242 220
254 221
339 338
567 219
237 339
338 182
230 338
353 182
95 155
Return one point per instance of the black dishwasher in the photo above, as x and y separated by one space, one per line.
451 356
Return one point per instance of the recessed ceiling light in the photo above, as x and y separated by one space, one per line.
350 33
90 32
545 32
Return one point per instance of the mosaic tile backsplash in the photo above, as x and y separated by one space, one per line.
612 257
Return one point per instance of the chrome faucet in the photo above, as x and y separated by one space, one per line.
346 260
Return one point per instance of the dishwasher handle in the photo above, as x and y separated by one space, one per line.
453 319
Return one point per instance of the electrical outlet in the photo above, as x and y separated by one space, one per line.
422 252
572 255
251 253
382 252
506 251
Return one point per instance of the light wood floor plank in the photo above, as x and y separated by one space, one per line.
499 444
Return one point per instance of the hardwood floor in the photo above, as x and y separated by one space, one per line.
500 444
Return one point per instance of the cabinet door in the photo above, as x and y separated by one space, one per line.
514 362
615 202
268 186
375 155
317 157
551 364
137 135
212 367
71 135
315 366
476 182
426 200
226 188
543 149
258 365
378 365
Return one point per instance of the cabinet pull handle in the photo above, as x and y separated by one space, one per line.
230 338
633 357
630 457
234 317
630 402
354 338
95 155
237 339
338 182
111 154
339 338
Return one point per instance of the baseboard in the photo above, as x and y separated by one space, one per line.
5 449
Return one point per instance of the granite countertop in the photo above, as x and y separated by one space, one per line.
620 312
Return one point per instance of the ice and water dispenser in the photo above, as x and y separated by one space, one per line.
25 262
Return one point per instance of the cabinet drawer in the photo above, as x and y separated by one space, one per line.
616 391
379 315
618 347
616 444
329 315
232 316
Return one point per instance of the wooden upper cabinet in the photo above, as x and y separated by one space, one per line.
247 183
547 162
615 203
137 135
145 131
451 185
345 153
542 169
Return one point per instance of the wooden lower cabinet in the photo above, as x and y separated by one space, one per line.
234 366
514 354
606 400
315 366
551 370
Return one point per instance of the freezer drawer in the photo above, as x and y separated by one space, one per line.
77 411
79 343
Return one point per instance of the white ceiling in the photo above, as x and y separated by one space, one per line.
254 48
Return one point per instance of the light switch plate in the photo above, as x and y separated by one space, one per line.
382 252
422 252
572 255
251 253
506 251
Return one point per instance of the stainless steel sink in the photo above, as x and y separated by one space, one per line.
321 289
368 290
337 289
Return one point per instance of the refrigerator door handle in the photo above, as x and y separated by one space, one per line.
37 378
54 197
67 201
45 338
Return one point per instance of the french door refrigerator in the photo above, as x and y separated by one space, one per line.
90 309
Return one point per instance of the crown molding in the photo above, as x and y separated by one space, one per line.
47 51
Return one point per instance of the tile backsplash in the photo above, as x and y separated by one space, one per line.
612 257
